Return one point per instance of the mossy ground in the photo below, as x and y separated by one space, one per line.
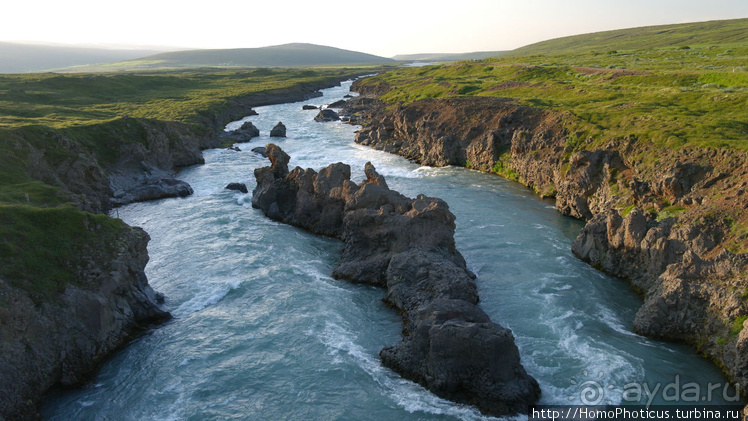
43 236
666 98
42 250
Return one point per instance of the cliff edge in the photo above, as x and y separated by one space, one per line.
60 332
673 224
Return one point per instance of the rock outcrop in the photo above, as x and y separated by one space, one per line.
337 104
152 190
64 340
327 115
278 131
674 225
406 245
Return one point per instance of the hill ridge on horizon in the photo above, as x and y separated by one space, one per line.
718 32
289 54
25 57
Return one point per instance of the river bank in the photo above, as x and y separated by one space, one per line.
73 288
261 328
672 226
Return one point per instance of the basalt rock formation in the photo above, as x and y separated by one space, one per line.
674 224
406 245
245 133
279 130
63 341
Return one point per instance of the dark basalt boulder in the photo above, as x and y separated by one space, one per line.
244 133
456 352
237 186
327 115
309 107
449 346
278 131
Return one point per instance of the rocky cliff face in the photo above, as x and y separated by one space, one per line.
65 339
406 245
674 224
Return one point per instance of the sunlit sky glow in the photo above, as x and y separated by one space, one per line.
381 27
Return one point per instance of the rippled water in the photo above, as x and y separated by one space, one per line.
262 331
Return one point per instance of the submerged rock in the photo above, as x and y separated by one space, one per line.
309 107
278 131
260 150
449 345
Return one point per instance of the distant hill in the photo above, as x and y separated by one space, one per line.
287 55
722 32
477 55
23 58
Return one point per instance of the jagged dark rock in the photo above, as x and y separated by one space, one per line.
309 107
406 245
234 148
238 186
278 131
327 115
64 340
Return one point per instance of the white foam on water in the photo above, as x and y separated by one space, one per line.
209 294
612 321
406 394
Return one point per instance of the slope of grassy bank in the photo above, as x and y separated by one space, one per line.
65 100
59 134
669 98
646 139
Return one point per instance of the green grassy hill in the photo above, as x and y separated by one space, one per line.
665 95
697 34
287 55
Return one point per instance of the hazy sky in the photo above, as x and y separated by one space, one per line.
382 27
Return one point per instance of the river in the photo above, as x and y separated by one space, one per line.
261 330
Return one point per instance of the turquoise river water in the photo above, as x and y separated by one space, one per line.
262 332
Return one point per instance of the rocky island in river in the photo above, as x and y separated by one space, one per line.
449 344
